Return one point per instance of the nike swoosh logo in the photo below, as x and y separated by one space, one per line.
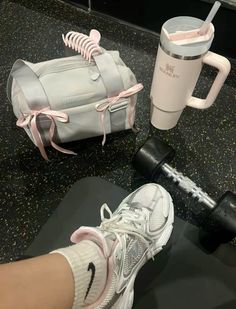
91 267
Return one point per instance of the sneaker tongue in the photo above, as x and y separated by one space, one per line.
105 242
135 206
132 207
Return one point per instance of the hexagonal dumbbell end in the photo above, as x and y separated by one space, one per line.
149 158
223 216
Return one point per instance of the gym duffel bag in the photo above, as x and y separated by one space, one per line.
73 98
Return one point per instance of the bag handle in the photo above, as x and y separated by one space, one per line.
40 118
33 92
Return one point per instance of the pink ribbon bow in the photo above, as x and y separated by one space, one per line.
30 120
112 100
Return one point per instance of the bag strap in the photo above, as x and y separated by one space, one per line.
33 92
42 118
114 85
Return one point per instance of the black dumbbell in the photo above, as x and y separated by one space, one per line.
153 158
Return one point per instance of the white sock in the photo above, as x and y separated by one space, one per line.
89 268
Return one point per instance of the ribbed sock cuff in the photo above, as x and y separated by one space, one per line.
78 257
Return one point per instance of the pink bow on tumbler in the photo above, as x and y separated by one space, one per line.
30 120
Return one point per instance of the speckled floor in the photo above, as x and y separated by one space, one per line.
31 188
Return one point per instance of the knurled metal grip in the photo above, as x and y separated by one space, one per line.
188 185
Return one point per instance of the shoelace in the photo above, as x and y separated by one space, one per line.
125 222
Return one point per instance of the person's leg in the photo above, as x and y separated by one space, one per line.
54 280
41 282
100 270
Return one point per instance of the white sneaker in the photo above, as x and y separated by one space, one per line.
133 234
